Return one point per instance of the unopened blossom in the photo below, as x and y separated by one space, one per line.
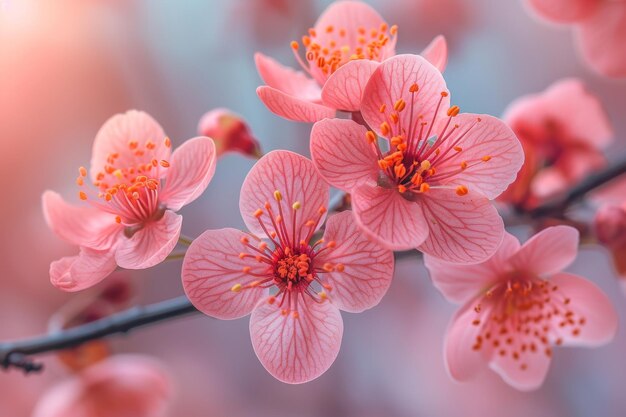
229 132
127 217
563 131
293 281
422 177
518 306
599 26
337 57
122 386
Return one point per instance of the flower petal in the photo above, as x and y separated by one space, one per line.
212 267
391 82
549 251
296 350
463 229
81 226
191 169
330 139
295 177
89 267
292 108
564 11
478 137
150 245
116 133
460 283
285 79
437 52
389 218
367 266
344 88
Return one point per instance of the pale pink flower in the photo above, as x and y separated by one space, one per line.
122 386
293 282
129 218
347 43
229 132
518 306
600 27
610 229
563 131
431 189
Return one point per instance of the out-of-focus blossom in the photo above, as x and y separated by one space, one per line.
600 27
431 190
130 219
122 386
293 284
341 51
610 228
563 131
230 132
518 306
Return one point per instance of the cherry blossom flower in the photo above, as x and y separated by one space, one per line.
129 219
293 282
610 229
563 131
341 51
229 132
429 186
518 306
122 386
600 27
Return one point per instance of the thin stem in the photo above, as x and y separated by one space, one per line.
185 240
176 255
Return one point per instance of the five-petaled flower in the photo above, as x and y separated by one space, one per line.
428 186
518 306
341 51
129 219
293 281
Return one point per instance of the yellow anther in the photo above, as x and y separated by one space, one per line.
297 205
236 288
118 173
425 165
277 195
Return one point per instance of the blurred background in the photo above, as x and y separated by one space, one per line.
68 65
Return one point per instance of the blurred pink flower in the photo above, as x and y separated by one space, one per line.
296 331
431 190
610 228
518 306
122 386
344 48
230 132
563 131
600 30
130 221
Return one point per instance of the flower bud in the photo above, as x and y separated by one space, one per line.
610 226
229 132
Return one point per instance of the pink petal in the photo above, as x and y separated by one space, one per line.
212 267
296 350
191 169
115 135
548 182
549 251
587 301
293 108
89 267
463 229
295 177
480 136
391 81
388 217
344 88
79 225
289 81
345 170
437 52
460 283
367 266
564 11
150 245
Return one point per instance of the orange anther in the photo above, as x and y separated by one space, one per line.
399 105
458 148
82 171
401 188
393 30
453 111
383 107
384 128
461 190
168 142
413 88
118 219
400 170
246 269
258 213
329 29
82 195
312 32
444 94
370 136
322 210
133 144
79 181
165 164
424 187
463 165
294 45
485 158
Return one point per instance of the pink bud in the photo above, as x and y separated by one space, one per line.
610 226
229 132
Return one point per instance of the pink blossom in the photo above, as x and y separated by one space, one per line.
600 27
293 282
230 132
129 219
610 229
341 51
431 189
563 131
122 386
518 306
